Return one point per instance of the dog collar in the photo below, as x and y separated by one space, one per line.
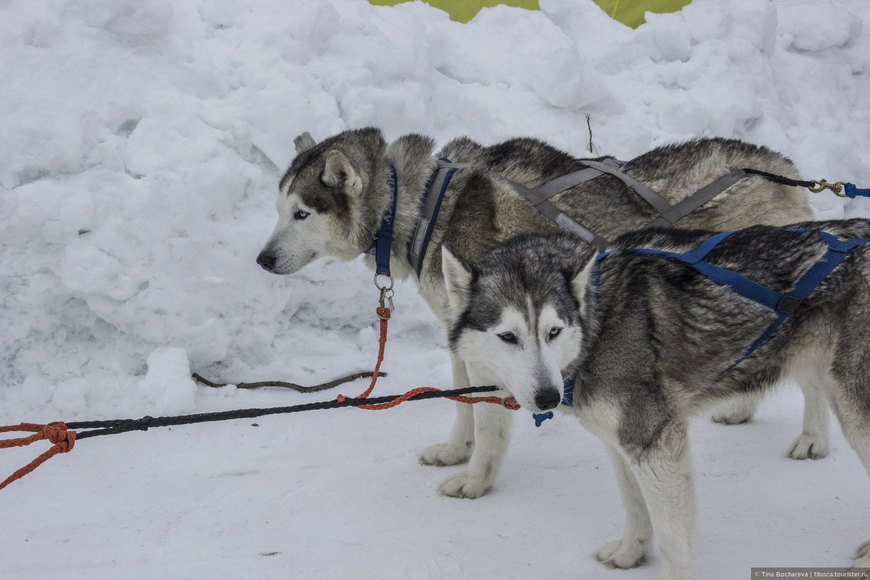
380 247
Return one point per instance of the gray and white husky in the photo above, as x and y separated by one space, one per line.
652 340
335 193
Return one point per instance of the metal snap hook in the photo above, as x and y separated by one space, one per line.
386 292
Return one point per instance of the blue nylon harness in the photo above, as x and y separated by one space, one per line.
782 304
382 244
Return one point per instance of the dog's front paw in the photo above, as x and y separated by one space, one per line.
807 446
862 557
622 554
442 454
463 486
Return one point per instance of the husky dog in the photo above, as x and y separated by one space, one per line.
652 340
334 195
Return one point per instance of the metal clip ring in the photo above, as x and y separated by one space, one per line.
837 188
379 287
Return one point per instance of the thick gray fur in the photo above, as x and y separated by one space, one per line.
339 189
656 345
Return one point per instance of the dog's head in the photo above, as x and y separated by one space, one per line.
515 315
321 200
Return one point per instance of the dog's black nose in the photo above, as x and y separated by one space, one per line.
266 261
546 400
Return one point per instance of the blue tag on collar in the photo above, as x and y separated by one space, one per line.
541 417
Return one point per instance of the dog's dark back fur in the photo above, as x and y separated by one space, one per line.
684 330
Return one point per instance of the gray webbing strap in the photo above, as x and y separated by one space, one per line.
702 196
557 216
430 206
560 184
659 203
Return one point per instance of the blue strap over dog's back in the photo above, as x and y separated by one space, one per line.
782 304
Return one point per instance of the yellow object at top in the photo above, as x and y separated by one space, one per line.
629 12
465 10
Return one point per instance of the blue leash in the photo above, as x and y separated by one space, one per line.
850 191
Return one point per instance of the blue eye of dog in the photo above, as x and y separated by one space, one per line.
300 215
554 332
508 337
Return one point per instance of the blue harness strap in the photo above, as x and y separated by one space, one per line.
781 304
380 248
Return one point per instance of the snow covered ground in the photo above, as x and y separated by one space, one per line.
142 142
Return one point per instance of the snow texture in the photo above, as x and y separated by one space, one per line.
142 145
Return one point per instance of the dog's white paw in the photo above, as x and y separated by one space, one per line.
734 416
807 446
862 556
622 554
463 487
442 454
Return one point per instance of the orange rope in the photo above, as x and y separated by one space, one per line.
384 315
56 433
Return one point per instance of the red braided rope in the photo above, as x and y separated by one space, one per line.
384 315
57 433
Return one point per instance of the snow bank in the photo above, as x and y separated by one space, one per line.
143 141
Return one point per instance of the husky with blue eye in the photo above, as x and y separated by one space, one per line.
660 327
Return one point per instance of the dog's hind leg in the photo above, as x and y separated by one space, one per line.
850 400
636 542
460 442
812 443
664 473
858 436
737 410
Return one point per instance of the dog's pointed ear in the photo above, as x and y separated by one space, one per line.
304 142
580 281
340 173
457 278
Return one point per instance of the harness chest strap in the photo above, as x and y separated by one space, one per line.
431 204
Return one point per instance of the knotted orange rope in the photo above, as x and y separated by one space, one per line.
384 315
56 433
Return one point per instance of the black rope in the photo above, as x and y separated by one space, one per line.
780 179
145 423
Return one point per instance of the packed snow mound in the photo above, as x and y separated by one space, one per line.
168 383
143 142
